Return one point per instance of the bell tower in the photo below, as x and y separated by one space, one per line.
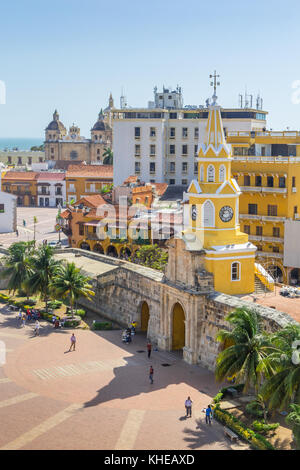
213 203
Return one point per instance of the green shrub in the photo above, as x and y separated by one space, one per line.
239 388
4 297
218 397
97 325
255 409
71 323
54 304
262 426
81 313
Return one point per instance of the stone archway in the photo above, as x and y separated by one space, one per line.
295 276
85 246
145 316
98 248
112 251
178 327
276 273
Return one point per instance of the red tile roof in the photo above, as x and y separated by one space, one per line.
95 200
91 171
47 175
20 175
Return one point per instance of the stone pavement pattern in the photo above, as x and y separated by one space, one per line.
99 397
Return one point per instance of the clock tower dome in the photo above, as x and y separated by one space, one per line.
213 205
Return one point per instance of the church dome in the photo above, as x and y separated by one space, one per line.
56 124
100 125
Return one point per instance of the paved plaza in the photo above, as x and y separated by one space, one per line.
44 229
99 397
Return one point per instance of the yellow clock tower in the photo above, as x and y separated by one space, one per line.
213 203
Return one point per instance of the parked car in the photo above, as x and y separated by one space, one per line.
54 244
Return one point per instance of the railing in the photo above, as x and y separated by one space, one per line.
286 134
260 238
264 277
265 218
269 159
269 254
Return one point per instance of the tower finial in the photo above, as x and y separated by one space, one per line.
215 83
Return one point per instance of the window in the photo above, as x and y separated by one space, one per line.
252 209
295 210
9 160
247 181
184 150
294 182
258 180
276 232
247 229
29 160
184 167
40 159
171 181
19 160
137 132
259 231
52 150
152 167
137 167
208 214
196 168
235 271
196 132
211 174
222 173
196 150
137 150
73 155
152 150
2 208
263 151
270 181
172 167
152 131
98 151
71 188
172 132
275 249
184 182
173 115
172 149
184 132
81 229
272 211
281 182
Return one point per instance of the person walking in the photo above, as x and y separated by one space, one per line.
188 407
20 315
73 342
208 415
37 328
151 372
149 348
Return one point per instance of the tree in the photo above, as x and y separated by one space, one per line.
282 386
69 282
151 256
293 418
108 156
44 266
17 266
245 347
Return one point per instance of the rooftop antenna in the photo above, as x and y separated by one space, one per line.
123 101
214 83
240 100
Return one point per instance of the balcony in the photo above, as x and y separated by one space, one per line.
43 193
250 216
269 254
274 190
266 159
264 218
260 238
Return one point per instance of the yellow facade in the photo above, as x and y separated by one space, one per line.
266 166
214 214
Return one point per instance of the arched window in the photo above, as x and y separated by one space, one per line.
208 214
73 155
236 271
222 174
201 173
211 174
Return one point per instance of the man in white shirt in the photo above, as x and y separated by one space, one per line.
188 407
37 328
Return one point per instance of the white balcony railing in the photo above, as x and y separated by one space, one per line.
269 254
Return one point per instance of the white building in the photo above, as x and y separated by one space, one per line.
159 143
51 189
8 211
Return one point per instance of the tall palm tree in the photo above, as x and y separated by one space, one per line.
69 282
293 418
43 266
108 156
282 386
17 267
245 346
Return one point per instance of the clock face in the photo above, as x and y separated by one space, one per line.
194 212
226 214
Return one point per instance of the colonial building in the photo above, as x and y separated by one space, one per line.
159 144
84 180
8 212
21 158
71 145
51 189
22 184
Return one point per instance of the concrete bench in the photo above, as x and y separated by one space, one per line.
230 434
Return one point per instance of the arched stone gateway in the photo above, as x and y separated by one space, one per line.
145 315
98 249
112 251
178 327
85 246
276 273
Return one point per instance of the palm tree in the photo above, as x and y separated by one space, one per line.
69 282
282 386
43 266
108 156
245 347
293 418
17 266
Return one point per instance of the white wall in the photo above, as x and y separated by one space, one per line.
291 256
8 218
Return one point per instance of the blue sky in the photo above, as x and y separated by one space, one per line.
70 54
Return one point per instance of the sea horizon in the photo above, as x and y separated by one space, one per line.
21 143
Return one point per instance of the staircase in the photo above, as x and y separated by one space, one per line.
263 281
260 288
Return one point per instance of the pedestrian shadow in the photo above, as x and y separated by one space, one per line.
205 434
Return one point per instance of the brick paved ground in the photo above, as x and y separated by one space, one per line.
291 306
99 397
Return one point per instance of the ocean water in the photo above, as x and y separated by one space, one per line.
20 142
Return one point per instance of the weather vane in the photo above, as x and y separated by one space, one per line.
214 83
